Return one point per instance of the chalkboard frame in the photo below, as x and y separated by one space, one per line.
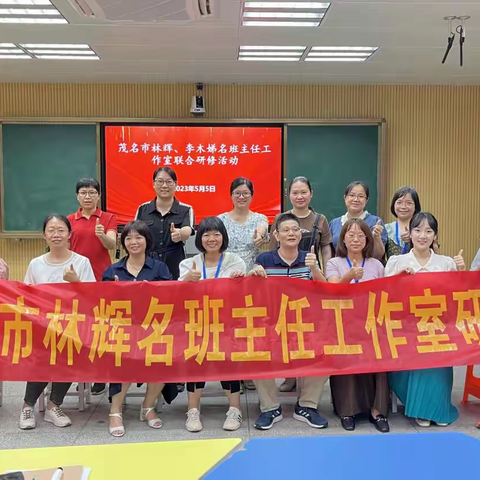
18 234
285 122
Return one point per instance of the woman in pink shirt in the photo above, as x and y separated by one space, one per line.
363 393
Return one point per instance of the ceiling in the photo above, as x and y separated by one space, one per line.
161 41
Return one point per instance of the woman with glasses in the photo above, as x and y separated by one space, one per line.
356 198
365 393
247 230
170 221
94 233
405 204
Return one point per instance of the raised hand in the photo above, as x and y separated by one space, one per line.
175 233
377 229
193 275
258 238
356 273
459 261
405 236
311 259
99 228
70 275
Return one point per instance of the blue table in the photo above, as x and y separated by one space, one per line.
439 456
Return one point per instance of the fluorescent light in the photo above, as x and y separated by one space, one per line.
366 49
271 54
286 5
7 45
31 20
25 2
55 45
260 47
68 57
28 11
14 56
338 54
270 59
250 23
11 50
335 59
281 15
62 52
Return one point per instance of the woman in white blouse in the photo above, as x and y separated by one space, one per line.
59 265
213 262
426 393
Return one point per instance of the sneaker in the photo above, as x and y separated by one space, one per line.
249 385
442 424
234 419
289 385
423 423
57 417
310 416
180 387
27 419
266 419
98 388
193 423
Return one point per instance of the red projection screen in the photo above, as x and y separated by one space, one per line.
206 160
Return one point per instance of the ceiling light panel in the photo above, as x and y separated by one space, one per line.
340 54
271 53
61 51
30 11
284 14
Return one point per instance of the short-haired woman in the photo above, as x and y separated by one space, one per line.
356 198
137 265
59 265
214 261
368 392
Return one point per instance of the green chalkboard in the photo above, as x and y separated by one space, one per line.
331 157
41 165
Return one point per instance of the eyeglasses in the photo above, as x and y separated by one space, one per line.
241 194
60 231
288 230
91 193
359 196
399 203
168 183
359 236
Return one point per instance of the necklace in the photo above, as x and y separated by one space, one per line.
134 267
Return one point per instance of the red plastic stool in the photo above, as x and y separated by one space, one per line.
472 385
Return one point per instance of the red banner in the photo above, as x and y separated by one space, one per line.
206 160
235 329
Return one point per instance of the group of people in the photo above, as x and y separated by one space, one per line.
353 248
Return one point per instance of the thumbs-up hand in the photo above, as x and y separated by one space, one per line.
377 229
459 261
258 238
193 275
355 273
99 228
405 236
115 278
175 233
311 259
70 275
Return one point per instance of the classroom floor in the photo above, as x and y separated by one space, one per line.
90 427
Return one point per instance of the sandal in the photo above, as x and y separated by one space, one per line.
117 431
154 423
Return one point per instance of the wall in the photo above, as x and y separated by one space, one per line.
433 135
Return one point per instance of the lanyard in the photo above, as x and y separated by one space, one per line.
405 246
217 273
350 265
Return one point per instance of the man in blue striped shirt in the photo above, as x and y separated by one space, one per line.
289 261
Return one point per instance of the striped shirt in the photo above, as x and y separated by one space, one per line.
274 266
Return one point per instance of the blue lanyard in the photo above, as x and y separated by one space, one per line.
217 273
405 247
350 265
